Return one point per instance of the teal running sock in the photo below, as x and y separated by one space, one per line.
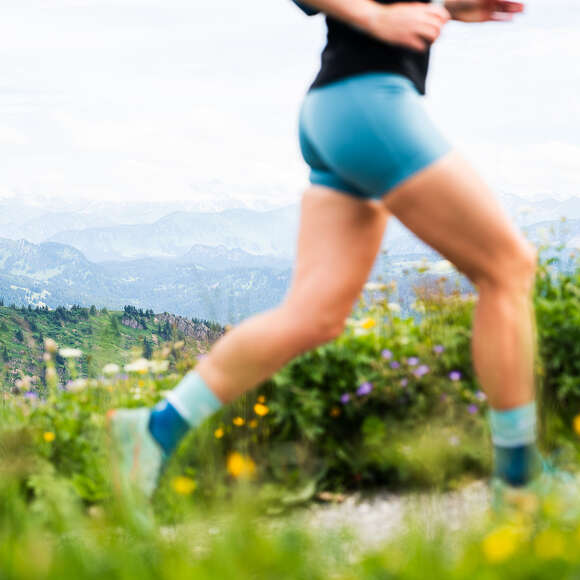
516 456
185 407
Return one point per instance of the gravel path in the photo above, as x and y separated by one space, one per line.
374 520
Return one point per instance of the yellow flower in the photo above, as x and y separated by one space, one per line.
261 399
219 433
335 412
368 323
238 421
260 409
253 423
183 485
577 424
141 383
549 544
500 544
49 436
239 465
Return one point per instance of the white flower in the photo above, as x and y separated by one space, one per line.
50 345
139 366
351 322
375 286
418 307
70 353
158 366
394 307
111 369
77 386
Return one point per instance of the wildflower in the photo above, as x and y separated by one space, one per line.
455 375
345 398
261 399
364 389
50 345
159 366
49 436
404 382
239 465
454 441
370 286
472 409
46 356
77 385
261 410
218 433
577 424
335 412
368 323
394 307
70 353
183 485
438 348
23 384
500 544
238 421
421 371
412 361
549 544
140 366
481 396
253 424
50 373
111 369
31 395
395 364
387 354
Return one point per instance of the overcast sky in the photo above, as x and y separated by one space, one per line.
176 99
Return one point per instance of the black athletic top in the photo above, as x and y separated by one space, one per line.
349 52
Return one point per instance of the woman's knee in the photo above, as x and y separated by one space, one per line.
513 270
312 326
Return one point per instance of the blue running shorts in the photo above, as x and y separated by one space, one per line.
365 134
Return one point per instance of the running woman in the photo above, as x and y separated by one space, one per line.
373 152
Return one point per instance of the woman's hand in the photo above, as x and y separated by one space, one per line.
413 25
483 10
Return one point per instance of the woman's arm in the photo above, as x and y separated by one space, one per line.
413 25
483 10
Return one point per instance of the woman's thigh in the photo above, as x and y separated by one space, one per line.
451 208
338 241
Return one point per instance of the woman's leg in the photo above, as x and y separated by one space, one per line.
449 207
338 242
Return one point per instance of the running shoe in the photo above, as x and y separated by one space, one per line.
137 459
554 493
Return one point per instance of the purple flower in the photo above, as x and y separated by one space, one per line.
345 398
404 382
31 395
364 389
412 361
387 354
438 348
395 364
472 409
481 396
420 371
455 375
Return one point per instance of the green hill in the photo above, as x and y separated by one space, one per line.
103 336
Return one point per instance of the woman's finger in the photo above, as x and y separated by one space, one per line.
429 32
438 11
507 6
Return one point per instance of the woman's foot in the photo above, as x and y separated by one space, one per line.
136 457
